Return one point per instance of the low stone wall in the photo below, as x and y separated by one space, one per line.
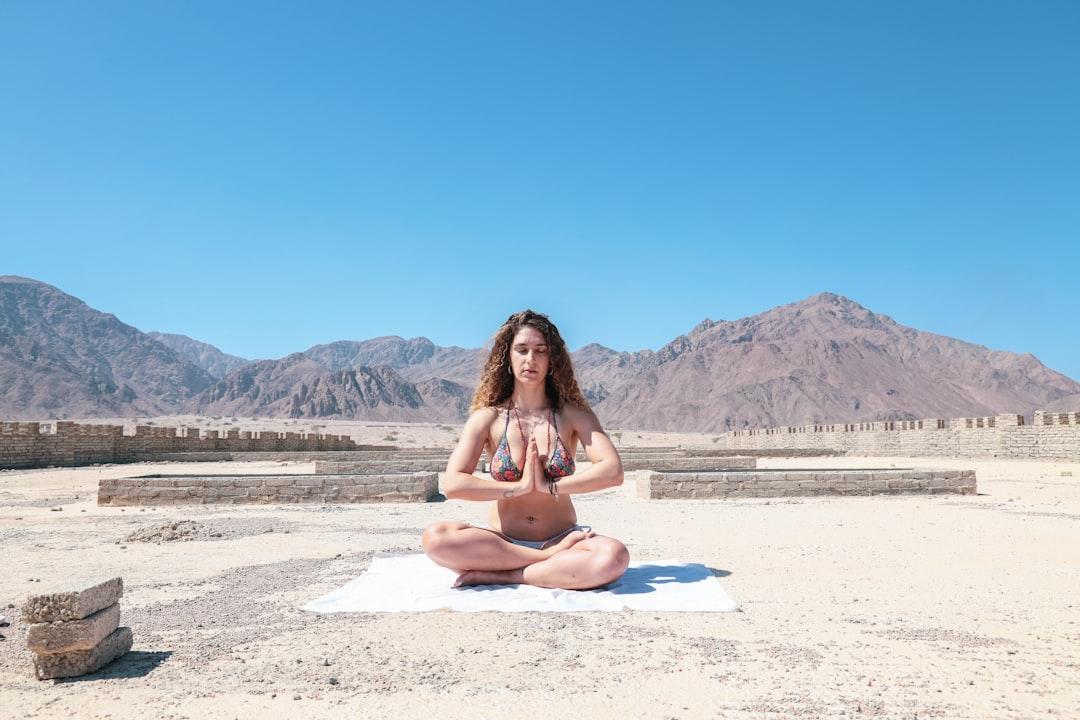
714 451
267 489
67 444
323 467
668 462
395 465
763 452
315 456
187 457
793 483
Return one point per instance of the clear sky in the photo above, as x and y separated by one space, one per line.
267 176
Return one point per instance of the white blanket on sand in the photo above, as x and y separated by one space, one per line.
413 583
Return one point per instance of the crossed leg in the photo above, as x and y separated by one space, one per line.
483 557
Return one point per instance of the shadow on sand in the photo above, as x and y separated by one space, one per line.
134 664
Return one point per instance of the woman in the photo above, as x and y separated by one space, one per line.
529 414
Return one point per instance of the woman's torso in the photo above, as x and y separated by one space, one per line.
536 516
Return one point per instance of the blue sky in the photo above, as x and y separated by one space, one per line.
267 176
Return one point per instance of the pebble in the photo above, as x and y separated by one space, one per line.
333 681
4 621
295 697
55 509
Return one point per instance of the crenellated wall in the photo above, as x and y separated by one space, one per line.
1050 436
31 444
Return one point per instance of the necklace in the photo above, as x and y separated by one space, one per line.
525 440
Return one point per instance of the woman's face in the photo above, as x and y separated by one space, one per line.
530 356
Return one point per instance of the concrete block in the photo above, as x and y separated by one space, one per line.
81 662
72 605
61 636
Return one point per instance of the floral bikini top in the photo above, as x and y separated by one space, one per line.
503 467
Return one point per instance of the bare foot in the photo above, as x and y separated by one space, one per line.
571 539
490 577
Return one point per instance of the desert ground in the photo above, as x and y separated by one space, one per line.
884 607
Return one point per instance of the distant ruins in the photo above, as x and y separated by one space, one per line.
67 444
1052 436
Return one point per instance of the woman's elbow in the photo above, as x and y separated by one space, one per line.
449 487
616 474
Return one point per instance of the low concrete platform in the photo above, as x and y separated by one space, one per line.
268 489
805 482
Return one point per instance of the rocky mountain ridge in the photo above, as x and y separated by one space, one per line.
823 359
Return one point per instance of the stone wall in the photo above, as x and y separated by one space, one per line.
65 444
794 483
1050 436
267 489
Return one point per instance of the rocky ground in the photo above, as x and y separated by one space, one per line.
885 607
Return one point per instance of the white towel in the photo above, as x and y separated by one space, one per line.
413 583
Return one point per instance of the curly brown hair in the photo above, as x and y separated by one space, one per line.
496 384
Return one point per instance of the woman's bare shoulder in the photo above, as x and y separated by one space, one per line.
482 418
580 418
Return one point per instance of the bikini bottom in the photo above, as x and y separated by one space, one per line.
537 544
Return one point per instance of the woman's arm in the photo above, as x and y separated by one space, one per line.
459 482
606 470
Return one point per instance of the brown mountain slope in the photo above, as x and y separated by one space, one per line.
825 358
60 358
297 386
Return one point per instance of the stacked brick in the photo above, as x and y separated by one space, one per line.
77 632
67 444
267 489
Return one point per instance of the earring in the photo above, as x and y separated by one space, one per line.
510 369
551 371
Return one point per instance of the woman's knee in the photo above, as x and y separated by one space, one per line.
436 535
610 560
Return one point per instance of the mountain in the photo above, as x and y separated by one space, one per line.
418 358
825 359
60 358
299 387
206 356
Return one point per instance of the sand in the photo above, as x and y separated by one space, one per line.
901 607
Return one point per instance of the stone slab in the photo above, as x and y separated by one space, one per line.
71 635
81 662
72 604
